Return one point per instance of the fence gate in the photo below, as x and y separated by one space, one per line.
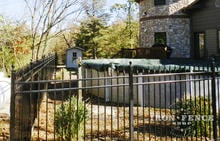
114 102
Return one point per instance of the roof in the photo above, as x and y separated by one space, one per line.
194 5
138 0
142 0
79 48
197 4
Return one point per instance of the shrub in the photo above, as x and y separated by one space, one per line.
194 117
69 119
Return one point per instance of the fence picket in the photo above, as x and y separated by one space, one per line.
215 134
131 103
145 105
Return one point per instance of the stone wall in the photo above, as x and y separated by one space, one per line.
167 18
178 34
172 7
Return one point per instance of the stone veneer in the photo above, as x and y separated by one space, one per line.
167 18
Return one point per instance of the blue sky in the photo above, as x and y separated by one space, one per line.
15 9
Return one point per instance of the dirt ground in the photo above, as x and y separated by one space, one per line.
4 127
107 123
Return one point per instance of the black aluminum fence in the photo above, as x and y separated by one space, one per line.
115 104
25 105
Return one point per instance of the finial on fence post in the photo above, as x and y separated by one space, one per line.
31 63
56 58
12 67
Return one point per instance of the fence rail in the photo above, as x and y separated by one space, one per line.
24 107
51 103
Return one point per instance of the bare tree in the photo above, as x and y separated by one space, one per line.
95 9
46 17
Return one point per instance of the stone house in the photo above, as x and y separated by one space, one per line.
190 27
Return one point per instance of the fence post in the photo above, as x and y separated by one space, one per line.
12 105
131 103
215 135
79 77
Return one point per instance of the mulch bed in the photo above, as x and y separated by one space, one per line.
114 127
4 127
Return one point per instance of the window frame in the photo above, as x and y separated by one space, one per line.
74 55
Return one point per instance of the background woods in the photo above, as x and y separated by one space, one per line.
54 26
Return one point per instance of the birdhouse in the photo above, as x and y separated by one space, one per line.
73 55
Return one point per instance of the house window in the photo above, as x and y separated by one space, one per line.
74 56
160 38
200 44
159 2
